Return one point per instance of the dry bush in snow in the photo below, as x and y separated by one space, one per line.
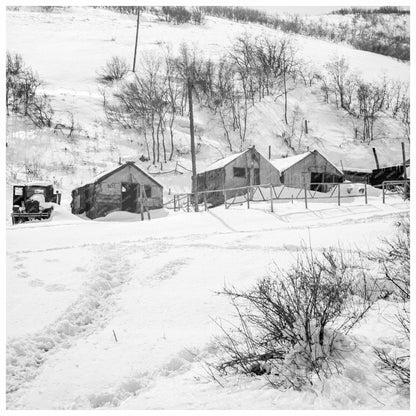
293 324
394 260
22 93
114 70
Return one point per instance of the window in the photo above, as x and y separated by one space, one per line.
18 190
239 172
148 191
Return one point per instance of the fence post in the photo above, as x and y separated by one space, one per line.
174 203
384 195
365 193
205 201
248 197
225 198
188 202
306 197
141 203
271 198
339 195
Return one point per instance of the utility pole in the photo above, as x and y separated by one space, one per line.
137 38
191 128
404 162
376 158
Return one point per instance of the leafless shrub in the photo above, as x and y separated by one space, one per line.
294 130
21 93
69 128
394 260
40 111
293 324
197 15
114 70
33 168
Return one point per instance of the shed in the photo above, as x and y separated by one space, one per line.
310 169
119 189
357 175
238 170
389 173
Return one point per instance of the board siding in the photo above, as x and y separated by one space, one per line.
105 195
295 176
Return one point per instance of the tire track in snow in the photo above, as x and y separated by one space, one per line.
25 355
324 223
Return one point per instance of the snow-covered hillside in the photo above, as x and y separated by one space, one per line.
68 47
118 313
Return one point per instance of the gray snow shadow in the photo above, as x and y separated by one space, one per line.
25 355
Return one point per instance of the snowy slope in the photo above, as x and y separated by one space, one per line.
68 47
119 313
70 284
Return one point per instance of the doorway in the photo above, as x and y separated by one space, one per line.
129 195
256 176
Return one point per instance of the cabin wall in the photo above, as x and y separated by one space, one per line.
296 175
78 201
268 173
104 196
224 178
211 180
390 173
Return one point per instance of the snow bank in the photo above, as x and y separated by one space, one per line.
132 216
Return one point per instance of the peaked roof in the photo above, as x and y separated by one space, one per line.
287 162
223 162
283 164
104 175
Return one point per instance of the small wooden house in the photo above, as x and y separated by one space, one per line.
124 188
310 169
238 170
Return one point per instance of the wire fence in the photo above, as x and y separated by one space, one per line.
272 194
396 188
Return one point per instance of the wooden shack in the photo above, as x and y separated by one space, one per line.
310 169
390 173
238 170
124 188
357 175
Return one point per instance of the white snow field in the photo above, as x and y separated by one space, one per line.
71 283
117 313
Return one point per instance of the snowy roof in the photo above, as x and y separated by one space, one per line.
287 162
101 176
39 183
223 162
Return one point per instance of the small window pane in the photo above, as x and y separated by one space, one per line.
239 172
148 190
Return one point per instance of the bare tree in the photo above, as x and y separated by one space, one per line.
338 73
371 100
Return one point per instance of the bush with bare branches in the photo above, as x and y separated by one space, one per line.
22 96
293 324
394 260
114 70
